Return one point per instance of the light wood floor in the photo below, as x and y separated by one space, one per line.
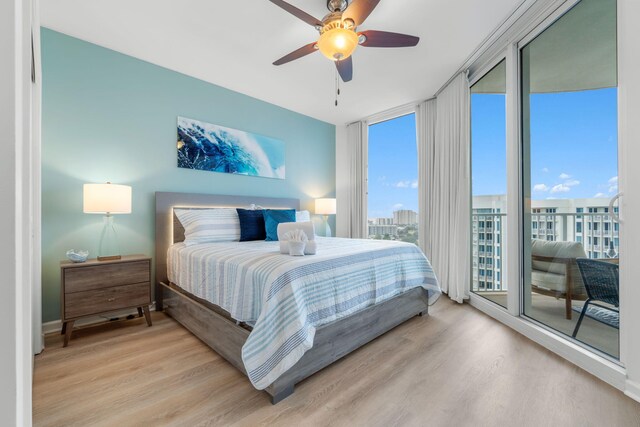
456 367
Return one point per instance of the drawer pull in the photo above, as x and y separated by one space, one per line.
111 299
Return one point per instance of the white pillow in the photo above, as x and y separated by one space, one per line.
303 216
209 225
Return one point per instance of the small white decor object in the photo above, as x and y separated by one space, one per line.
297 241
77 256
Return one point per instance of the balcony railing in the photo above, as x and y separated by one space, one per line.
563 228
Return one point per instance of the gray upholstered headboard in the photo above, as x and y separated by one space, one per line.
169 230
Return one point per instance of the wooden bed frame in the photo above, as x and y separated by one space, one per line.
216 328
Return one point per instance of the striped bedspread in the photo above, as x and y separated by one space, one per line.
286 298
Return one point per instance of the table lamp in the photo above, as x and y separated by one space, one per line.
326 207
107 199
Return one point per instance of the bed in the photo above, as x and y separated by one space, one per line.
277 318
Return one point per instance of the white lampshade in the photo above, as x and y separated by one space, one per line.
325 206
107 198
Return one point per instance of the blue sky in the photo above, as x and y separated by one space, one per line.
393 166
574 144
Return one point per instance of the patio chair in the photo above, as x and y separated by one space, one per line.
554 271
601 281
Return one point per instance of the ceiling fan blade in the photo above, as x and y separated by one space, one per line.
345 69
296 54
386 39
297 13
359 10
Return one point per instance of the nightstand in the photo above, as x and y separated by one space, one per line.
97 287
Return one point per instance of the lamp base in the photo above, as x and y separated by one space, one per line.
108 248
109 258
326 226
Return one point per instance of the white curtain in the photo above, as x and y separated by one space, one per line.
426 134
358 158
443 152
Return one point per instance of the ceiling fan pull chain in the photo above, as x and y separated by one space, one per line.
337 87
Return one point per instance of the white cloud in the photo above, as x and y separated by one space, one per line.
599 195
397 206
406 184
545 170
613 184
613 180
564 176
572 183
560 188
613 189
540 187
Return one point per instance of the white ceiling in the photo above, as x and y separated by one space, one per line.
233 44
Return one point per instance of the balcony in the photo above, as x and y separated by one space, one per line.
551 310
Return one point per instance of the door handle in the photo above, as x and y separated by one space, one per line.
616 216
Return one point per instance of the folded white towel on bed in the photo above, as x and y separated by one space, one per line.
311 248
309 230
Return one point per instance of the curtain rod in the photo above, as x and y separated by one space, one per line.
391 110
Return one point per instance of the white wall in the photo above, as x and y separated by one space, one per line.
342 183
15 218
629 134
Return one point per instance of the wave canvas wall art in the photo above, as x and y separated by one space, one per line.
208 147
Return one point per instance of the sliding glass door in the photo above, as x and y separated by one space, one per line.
570 176
489 185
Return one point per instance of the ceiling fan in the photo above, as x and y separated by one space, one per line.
338 35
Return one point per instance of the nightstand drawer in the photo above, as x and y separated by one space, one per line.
87 303
98 276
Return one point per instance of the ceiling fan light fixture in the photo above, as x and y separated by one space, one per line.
337 43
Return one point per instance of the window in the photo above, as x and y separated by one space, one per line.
569 151
489 160
393 180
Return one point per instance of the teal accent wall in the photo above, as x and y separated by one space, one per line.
111 117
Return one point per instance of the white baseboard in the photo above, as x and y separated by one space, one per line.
55 326
596 365
632 390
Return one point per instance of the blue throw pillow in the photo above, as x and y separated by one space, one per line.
273 217
251 225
